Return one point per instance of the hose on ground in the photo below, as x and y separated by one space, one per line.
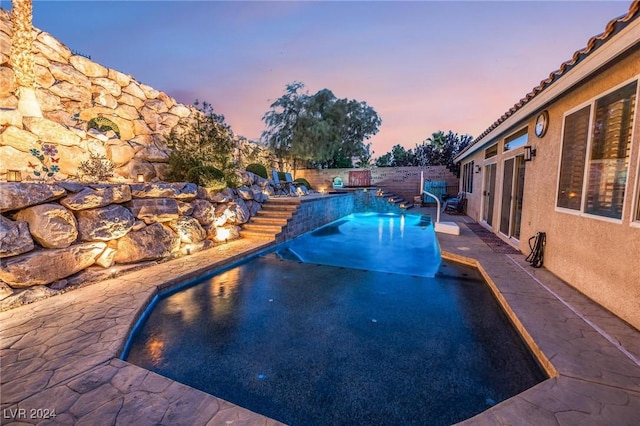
536 257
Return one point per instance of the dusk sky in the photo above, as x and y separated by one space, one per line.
423 66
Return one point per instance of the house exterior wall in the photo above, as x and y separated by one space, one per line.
598 256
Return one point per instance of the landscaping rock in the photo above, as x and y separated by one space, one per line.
105 223
152 210
182 191
14 237
43 267
51 225
152 242
18 195
91 198
188 229
203 211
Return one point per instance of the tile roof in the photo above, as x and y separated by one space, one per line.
613 27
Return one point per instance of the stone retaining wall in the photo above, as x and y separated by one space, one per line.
57 235
72 90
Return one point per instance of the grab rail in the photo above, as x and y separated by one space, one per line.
437 201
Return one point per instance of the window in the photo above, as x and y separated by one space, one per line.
492 151
574 151
467 177
595 184
516 140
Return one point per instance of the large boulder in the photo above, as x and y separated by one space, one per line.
188 229
203 211
235 213
18 195
182 191
51 225
152 210
14 237
93 197
43 267
104 223
150 243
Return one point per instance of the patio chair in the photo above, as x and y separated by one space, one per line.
456 207
289 180
337 183
453 201
275 179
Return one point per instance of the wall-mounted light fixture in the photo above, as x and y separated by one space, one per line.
140 178
529 152
477 168
14 176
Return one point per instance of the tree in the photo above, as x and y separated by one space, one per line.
320 129
398 157
206 141
439 149
22 59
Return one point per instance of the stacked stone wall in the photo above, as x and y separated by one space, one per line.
55 236
72 90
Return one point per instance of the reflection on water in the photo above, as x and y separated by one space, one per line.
372 241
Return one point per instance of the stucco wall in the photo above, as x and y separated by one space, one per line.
598 256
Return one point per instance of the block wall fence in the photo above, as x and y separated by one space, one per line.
402 181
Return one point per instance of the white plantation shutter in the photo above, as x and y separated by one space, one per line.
574 150
610 149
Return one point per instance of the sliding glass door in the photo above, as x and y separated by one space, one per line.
512 192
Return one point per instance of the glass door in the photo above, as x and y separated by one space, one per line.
512 193
488 193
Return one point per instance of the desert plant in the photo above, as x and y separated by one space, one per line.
96 169
257 169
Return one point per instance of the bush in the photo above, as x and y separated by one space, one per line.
304 182
208 177
258 169
96 169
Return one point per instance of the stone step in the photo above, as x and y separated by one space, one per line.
280 207
270 220
281 214
257 235
251 226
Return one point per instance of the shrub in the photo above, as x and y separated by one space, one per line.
202 140
96 169
258 169
208 177
304 182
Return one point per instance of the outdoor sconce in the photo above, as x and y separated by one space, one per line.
529 152
140 178
477 169
14 176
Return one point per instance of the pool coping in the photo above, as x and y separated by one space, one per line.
62 353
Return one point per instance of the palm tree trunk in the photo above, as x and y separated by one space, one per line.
22 59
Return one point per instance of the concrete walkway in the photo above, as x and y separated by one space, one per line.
60 356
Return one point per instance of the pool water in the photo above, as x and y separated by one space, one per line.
384 242
318 344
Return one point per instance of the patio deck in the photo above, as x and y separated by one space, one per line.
62 353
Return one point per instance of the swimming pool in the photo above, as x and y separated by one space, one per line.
318 343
